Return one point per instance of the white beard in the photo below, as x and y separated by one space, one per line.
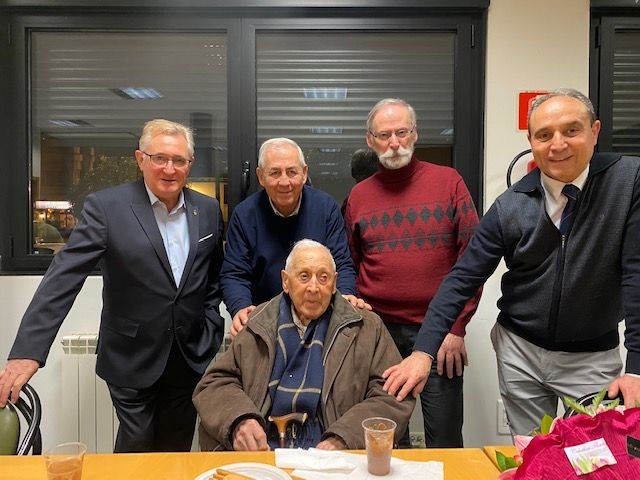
394 160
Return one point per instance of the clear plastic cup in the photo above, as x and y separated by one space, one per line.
64 461
378 439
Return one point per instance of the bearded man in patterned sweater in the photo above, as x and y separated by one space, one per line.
407 225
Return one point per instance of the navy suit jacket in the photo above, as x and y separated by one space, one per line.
143 309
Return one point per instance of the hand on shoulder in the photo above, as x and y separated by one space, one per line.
240 319
357 302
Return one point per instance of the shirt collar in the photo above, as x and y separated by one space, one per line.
155 200
295 210
554 187
297 322
302 328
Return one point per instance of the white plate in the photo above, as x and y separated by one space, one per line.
259 471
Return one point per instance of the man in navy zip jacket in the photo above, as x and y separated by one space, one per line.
566 287
264 227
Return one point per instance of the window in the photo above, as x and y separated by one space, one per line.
82 84
318 87
615 80
93 91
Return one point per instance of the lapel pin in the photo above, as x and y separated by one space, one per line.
195 212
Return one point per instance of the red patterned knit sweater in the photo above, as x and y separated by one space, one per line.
406 229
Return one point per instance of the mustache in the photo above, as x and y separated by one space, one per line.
401 152
396 159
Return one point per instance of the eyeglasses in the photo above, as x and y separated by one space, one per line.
401 133
162 160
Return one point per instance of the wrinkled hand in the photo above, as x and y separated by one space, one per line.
408 376
629 386
452 355
13 376
357 302
332 443
240 319
249 436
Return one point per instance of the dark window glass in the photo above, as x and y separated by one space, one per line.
318 87
626 93
74 97
615 77
92 93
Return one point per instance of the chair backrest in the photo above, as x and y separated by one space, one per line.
9 430
28 405
530 165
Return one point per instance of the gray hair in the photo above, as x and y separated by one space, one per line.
563 92
303 244
160 126
390 101
275 142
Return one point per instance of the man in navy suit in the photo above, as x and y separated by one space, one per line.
159 246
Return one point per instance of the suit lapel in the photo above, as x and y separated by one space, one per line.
141 207
193 221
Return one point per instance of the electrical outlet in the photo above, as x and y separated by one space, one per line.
417 439
503 422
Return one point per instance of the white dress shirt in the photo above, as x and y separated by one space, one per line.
554 200
174 231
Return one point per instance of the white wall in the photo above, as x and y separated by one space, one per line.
531 45
15 294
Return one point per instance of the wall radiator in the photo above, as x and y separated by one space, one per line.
90 414
91 417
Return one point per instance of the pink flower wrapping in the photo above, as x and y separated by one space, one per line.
544 457
521 442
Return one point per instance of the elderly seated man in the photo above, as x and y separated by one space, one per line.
306 351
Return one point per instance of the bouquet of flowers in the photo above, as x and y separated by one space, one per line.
592 444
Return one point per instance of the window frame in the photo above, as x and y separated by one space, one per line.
468 85
607 17
241 20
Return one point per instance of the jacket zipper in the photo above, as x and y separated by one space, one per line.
333 338
557 291
324 359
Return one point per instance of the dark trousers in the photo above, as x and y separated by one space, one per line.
160 418
441 400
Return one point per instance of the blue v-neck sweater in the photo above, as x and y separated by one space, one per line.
258 242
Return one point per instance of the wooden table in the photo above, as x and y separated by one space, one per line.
490 451
459 464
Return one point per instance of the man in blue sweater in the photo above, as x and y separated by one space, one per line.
264 227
